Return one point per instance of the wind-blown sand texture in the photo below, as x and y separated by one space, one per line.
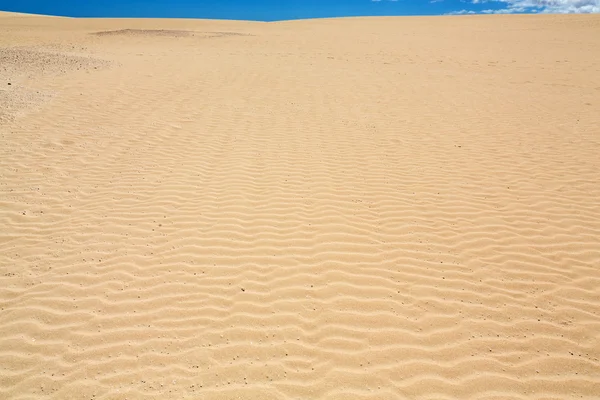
362 208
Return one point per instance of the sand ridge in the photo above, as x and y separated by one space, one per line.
385 208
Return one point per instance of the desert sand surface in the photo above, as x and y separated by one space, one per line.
360 208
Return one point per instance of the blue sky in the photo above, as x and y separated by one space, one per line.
269 10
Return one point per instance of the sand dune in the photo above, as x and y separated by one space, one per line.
382 208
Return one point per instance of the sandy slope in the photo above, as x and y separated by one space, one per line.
394 208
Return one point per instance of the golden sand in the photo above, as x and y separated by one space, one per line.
361 208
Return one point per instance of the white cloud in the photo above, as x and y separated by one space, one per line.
541 6
461 12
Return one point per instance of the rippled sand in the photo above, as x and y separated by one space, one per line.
361 208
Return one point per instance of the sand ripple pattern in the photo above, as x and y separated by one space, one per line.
393 212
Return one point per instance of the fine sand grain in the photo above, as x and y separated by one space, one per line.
361 208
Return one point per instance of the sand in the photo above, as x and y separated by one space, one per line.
361 208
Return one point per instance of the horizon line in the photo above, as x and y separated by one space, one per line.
16 14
